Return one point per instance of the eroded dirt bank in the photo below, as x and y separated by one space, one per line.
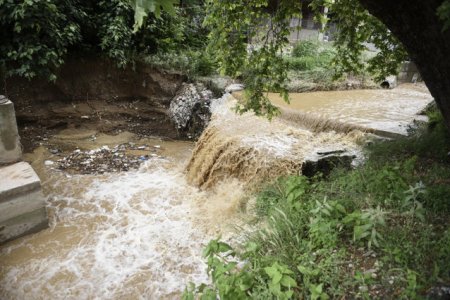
93 94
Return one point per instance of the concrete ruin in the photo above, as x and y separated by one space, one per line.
22 203
10 148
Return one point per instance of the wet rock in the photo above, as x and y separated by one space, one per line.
190 110
325 161
54 151
439 293
217 84
235 87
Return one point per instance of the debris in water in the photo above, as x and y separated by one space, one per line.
54 151
105 159
49 163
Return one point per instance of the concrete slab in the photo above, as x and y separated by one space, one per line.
17 179
22 203
22 225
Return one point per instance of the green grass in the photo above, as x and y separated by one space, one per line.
381 231
310 68
192 63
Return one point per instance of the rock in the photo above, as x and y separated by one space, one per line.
439 293
325 161
235 87
190 110
54 151
216 84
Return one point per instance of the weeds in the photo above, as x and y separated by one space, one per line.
191 63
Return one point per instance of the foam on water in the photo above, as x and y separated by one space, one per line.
133 237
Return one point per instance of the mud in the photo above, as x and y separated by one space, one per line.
93 94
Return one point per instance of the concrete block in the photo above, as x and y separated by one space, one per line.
17 179
19 226
22 203
10 148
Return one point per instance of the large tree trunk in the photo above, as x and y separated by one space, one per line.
416 25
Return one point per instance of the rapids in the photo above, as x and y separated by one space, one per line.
383 112
140 234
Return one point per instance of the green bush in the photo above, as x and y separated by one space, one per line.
310 56
302 63
37 35
191 62
306 49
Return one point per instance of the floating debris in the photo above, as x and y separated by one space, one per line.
123 157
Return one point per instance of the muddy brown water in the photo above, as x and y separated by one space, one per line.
128 235
140 234
379 110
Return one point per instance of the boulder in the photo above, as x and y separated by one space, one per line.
190 110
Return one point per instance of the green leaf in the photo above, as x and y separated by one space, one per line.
288 281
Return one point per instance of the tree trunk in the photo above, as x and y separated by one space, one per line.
416 25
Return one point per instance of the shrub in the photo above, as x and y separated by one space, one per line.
37 35
309 56
306 49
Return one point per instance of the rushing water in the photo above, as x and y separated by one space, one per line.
382 110
128 235
378 111
140 234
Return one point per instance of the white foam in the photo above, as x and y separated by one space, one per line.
136 239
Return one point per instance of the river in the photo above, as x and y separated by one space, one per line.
140 234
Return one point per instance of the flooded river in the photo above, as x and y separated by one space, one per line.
140 234
382 110
128 235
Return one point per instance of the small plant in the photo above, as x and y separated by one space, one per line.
344 237
281 281
229 281
366 225
412 205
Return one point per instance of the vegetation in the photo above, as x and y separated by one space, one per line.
311 66
311 55
379 231
37 36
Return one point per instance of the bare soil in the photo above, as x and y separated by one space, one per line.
93 94
38 122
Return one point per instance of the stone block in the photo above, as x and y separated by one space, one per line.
19 226
10 148
22 203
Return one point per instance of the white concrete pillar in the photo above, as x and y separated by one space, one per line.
10 147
